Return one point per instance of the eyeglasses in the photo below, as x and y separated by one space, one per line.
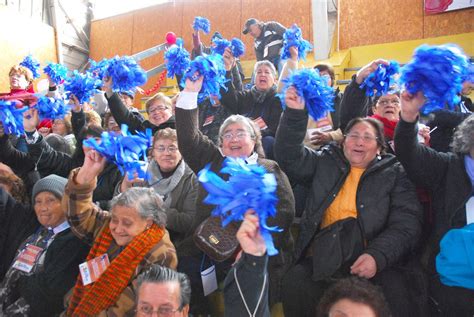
385 102
157 109
239 135
170 149
147 310
365 138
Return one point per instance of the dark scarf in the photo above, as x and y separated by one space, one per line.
259 95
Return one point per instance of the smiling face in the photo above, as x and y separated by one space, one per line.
388 106
264 78
166 154
236 141
18 80
48 210
159 113
126 224
360 145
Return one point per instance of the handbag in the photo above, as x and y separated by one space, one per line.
215 241
336 247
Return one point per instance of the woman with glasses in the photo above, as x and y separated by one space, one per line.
362 215
238 137
173 180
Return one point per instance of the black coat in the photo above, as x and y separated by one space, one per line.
445 122
387 207
443 174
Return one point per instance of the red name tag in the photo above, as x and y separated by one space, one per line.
261 123
208 121
27 258
93 269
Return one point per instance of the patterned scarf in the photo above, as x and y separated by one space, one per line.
388 126
260 95
91 299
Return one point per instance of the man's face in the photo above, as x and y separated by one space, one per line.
255 30
163 298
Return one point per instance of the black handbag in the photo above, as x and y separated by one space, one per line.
336 247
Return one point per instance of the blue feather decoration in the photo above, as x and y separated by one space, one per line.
51 108
177 60
32 64
12 118
437 71
237 47
470 75
83 86
220 45
314 89
126 73
57 72
249 187
127 151
98 69
202 24
294 37
380 80
211 67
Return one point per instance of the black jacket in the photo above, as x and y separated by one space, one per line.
244 102
443 174
388 209
270 42
445 122
134 120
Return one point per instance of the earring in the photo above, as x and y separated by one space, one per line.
379 157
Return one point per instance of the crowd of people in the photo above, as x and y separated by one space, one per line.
385 208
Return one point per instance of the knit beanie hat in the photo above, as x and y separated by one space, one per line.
52 183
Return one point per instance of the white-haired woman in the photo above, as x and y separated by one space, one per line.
132 236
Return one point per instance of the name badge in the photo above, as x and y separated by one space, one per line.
208 120
261 123
27 258
93 269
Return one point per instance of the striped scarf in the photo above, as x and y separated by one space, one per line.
91 299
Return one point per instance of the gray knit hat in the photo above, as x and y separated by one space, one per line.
52 183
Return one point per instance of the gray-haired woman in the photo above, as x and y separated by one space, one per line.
450 178
238 137
131 238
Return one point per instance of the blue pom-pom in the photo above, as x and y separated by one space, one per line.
294 37
237 47
12 118
177 60
51 108
32 64
470 75
202 24
437 71
98 69
220 45
128 151
57 72
211 67
380 80
83 86
249 186
126 73
314 89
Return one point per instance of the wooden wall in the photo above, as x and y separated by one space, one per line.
366 22
21 36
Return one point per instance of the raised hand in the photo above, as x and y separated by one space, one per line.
368 69
193 86
30 120
249 237
229 59
293 100
94 164
411 105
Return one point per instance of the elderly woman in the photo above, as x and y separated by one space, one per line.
131 237
450 179
173 180
362 215
260 103
238 137
40 251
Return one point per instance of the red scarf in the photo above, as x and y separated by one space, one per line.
388 126
91 299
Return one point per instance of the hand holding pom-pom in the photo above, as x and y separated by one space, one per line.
229 59
368 69
194 86
411 105
293 100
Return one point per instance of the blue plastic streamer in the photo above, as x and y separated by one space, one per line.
249 186
470 75
126 73
317 94
177 60
294 37
211 67
127 151
32 64
51 108
98 69
220 45
437 71
379 82
83 86
237 47
203 24
12 118
57 72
